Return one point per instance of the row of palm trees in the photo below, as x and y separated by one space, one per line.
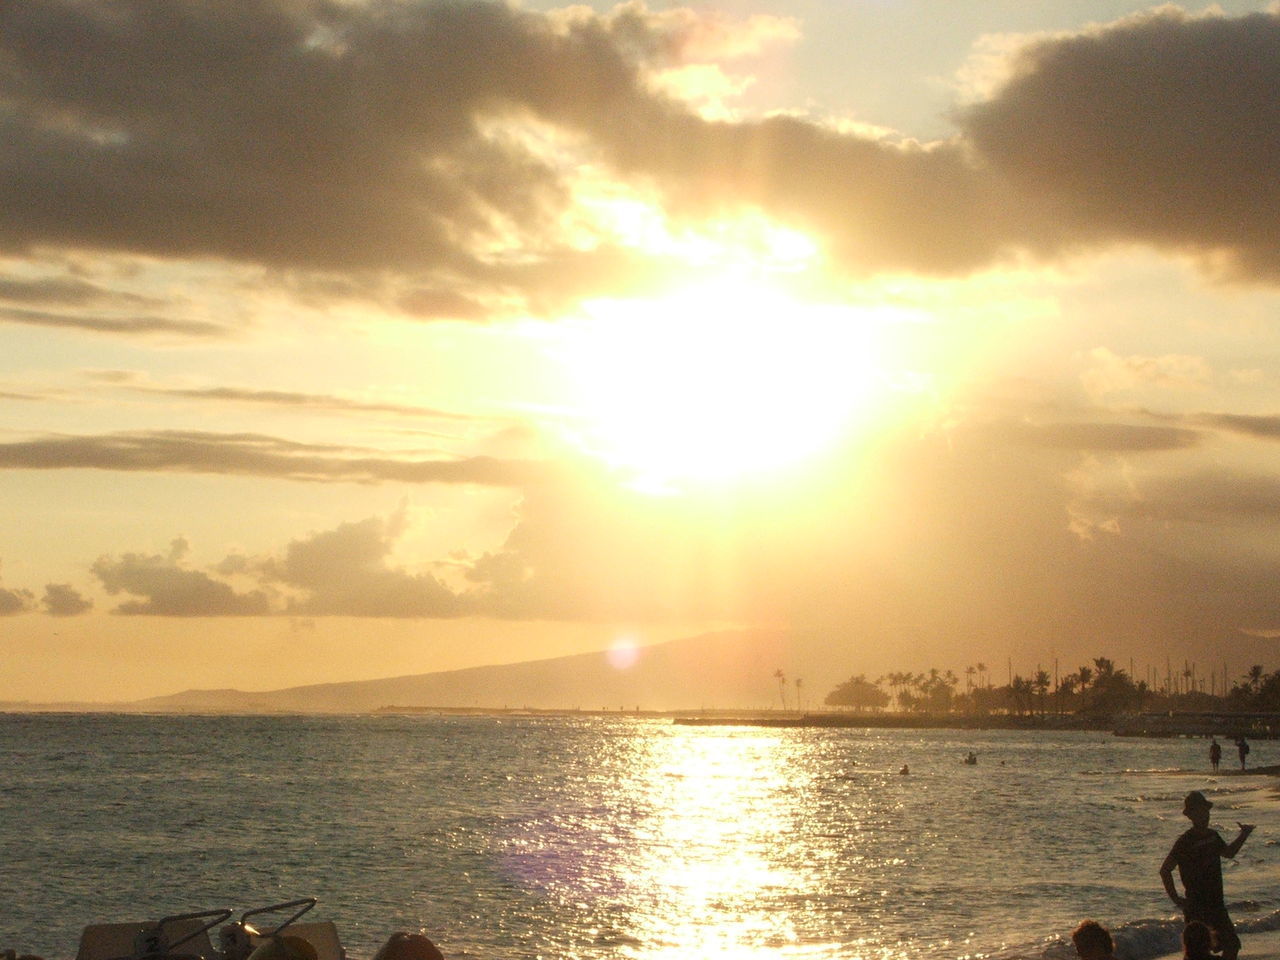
1098 687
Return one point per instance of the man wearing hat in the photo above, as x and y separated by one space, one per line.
1198 855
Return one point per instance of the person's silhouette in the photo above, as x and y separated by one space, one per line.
1198 855
1093 941
1197 941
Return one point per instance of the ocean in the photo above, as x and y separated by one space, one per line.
514 838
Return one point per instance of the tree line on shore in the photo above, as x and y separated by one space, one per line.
1102 688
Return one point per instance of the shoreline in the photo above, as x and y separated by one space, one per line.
1252 726
1228 726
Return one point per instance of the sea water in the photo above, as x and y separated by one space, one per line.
512 838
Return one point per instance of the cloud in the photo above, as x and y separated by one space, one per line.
170 589
312 401
1111 373
61 600
253 455
345 572
66 291
1158 128
951 535
1211 496
436 304
1093 437
131 326
15 601
1259 426
309 134
583 549
438 143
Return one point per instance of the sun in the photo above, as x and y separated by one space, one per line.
726 380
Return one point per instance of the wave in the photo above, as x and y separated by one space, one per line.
1137 939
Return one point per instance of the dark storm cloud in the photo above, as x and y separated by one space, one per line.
136 325
168 588
62 600
309 133
345 572
1162 128
877 205
252 455
369 139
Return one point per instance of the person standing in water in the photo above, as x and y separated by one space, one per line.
1242 747
1215 754
1198 855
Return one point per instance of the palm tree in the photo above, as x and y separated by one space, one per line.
1041 683
799 700
894 679
968 678
982 670
782 686
1020 691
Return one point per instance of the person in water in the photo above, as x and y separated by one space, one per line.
1093 941
408 946
1198 855
1197 941
1215 754
1242 747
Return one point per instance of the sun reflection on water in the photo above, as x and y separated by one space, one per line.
715 842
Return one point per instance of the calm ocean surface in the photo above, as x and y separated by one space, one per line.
518 838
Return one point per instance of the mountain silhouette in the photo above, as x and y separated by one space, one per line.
725 670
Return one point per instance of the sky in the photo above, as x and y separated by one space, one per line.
343 340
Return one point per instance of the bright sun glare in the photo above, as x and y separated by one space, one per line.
729 379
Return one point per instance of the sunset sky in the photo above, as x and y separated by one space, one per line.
352 339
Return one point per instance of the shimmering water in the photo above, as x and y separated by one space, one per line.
515 838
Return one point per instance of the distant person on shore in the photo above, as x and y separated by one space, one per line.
1197 941
1093 941
1215 754
1198 855
1242 747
